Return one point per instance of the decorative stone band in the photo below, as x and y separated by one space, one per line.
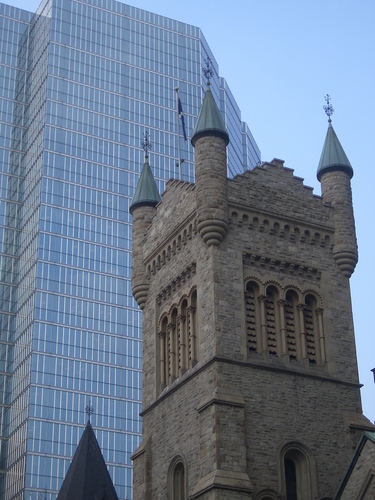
346 262
212 231
140 293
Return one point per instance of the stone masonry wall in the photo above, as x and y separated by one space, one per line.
279 232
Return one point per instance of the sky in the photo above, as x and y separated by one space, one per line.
280 58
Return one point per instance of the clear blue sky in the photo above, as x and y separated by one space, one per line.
280 59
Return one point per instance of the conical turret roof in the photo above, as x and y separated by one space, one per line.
87 476
146 193
333 155
209 120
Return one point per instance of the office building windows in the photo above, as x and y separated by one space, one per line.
81 81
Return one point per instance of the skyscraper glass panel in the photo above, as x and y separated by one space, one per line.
80 83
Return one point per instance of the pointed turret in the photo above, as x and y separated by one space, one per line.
334 173
333 156
209 122
142 208
87 476
146 193
210 139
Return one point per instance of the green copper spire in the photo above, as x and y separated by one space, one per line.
333 156
146 193
209 122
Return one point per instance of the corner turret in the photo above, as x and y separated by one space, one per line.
210 140
334 173
142 208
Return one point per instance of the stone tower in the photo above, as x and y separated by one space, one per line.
250 384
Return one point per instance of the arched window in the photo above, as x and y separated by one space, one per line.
291 324
252 315
178 342
193 330
290 479
177 480
183 341
284 324
163 353
267 494
311 327
298 473
271 312
172 347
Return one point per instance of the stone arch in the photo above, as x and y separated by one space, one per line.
234 216
177 479
297 472
267 494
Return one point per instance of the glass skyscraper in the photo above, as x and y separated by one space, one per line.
80 83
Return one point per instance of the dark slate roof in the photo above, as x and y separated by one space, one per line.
87 477
209 120
333 155
146 193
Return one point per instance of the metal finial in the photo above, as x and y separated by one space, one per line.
89 409
208 71
146 144
328 109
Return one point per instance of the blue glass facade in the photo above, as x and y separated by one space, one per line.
80 82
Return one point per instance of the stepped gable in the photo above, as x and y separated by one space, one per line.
178 206
273 188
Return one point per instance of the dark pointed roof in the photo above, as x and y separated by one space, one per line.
209 120
333 155
146 193
87 477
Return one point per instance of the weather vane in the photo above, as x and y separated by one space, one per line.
146 144
328 109
89 409
207 71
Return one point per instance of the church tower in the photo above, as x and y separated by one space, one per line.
250 384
